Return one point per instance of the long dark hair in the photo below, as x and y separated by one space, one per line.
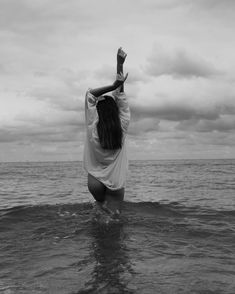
109 125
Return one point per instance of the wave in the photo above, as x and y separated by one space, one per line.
147 220
171 209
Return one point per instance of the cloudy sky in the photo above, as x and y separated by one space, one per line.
181 84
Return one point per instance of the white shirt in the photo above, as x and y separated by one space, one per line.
108 166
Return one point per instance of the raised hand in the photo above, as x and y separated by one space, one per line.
121 56
120 80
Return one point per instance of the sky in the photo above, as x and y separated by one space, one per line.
181 83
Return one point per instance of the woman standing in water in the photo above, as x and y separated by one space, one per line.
105 159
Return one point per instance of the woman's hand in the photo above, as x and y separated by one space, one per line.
120 80
121 56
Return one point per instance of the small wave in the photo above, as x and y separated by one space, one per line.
12 211
174 209
146 210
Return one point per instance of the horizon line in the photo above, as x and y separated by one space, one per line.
160 159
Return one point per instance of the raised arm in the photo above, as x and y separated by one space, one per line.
121 56
103 90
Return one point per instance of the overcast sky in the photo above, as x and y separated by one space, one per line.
181 83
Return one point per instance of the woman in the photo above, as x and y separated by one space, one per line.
105 159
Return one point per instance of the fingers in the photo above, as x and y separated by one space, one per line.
120 80
121 77
121 52
125 77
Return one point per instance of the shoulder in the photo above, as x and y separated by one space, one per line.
90 97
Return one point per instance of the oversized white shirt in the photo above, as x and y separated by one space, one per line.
108 166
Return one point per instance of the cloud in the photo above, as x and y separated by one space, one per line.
221 124
180 107
64 89
210 5
44 17
41 133
52 51
136 75
2 69
173 112
178 64
166 98
143 126
37 120
105 73
215 4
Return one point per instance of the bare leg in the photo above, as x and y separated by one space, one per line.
109 200
114 199
96 188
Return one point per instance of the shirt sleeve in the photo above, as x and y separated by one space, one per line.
90 108
124 110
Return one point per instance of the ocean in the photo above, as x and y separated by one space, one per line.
176 232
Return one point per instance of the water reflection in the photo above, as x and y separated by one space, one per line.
112 270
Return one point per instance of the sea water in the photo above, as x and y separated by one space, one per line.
176 232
